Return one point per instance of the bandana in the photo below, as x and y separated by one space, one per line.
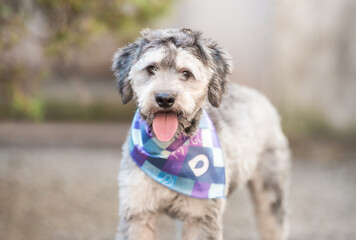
193 166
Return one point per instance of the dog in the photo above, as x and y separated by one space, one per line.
177 78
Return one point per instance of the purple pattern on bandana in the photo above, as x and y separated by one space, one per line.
201 190
137 125
185 166
196 139
139 156
177 143
149 131
215 142
176 160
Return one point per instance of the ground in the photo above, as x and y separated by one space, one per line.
59 181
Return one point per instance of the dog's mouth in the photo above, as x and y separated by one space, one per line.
168 124
165 125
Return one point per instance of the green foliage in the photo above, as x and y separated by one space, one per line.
73 21
27 106
70 23
11 23
16 102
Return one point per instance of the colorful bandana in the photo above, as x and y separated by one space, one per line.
193 166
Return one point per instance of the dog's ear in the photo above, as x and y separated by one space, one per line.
123 60
220 64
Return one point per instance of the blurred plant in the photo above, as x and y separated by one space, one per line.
14 93
73 21
11 23
70 23
14 100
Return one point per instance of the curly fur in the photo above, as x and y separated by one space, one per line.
256 151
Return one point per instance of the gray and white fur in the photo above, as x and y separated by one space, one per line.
194 71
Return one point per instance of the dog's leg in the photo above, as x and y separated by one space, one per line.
137 208
139 227
198 229
268 190
207 226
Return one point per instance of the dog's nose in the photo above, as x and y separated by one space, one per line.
165 100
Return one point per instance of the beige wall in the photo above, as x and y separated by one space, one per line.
302 54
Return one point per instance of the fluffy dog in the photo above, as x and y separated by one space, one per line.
179 73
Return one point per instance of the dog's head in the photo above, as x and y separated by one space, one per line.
171 74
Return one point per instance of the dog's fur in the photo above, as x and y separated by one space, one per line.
255 150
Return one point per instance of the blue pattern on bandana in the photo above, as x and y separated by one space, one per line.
193 166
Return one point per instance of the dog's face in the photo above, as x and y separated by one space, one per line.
171 73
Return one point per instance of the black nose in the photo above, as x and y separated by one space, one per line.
165 100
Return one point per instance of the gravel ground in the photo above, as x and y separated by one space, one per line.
59 182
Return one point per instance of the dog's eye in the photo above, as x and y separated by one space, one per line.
151 69
187 74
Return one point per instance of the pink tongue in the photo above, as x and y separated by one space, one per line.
165 126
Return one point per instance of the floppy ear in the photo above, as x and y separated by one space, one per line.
221 66
123 60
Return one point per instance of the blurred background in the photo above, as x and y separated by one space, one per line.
62 122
